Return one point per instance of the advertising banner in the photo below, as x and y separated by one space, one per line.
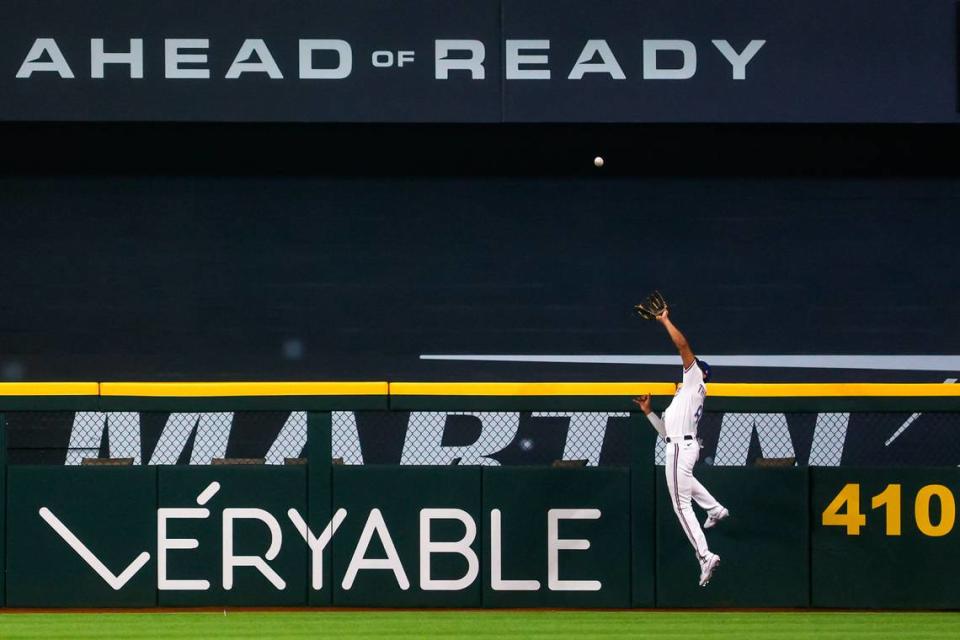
480 61
557 537
410 539
232 535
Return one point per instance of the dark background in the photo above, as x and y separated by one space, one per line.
149 251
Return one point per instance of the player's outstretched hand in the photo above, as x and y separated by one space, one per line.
643 402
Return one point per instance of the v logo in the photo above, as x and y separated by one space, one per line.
116 582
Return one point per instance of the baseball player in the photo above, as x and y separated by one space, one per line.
679 429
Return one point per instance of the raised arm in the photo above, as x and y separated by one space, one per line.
679 340
644 403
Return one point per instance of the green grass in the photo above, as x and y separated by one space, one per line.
552 625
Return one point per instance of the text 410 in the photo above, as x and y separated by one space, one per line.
844 510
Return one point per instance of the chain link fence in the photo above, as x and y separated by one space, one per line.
478 438
155 438
828 439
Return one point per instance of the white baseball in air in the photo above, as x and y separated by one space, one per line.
598 161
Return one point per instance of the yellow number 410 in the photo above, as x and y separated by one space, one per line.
844 510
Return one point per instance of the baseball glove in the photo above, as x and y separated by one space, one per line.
652 307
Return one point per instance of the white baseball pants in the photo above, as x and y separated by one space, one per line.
681 456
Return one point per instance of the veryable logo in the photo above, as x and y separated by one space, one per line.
168 550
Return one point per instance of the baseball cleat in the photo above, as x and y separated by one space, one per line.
706 571
712 519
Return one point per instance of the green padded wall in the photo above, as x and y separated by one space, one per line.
524 496
3 506
400 494
273 489
763 545
643 521
110 510
319 497
874 569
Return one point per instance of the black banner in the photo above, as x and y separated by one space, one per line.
198 278
479 61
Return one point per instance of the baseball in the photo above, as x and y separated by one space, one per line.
598 161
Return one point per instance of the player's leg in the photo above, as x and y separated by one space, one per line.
687 455
679 475
715 511
670 473
704 498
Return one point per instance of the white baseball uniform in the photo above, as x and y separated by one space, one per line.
679 429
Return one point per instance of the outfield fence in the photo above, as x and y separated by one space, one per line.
470 495
732 438
867 430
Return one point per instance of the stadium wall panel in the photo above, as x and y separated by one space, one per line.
319 503
795 538
902 548
643 521
266 495
594 505
763 545
112 512
3 508
396 499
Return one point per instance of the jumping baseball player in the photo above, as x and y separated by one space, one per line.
679 429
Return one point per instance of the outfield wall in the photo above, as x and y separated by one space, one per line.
487 535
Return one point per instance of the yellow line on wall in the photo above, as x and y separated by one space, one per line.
530 388
235 389
500 389
852 390
49 388
668 388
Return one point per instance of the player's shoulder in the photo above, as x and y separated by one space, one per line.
693 369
